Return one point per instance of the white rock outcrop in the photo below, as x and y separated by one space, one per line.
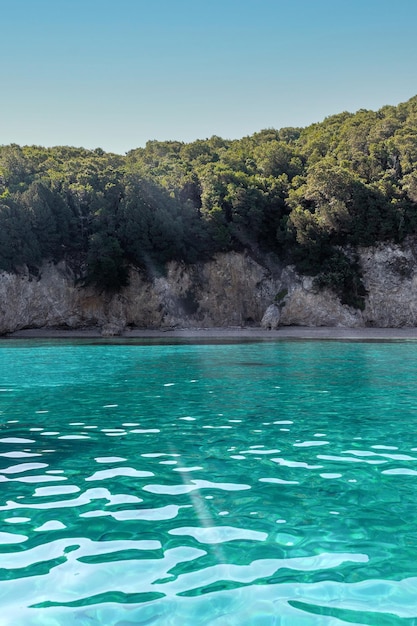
390 277
231 290
271 317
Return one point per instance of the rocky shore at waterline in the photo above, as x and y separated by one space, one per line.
233 291
229 334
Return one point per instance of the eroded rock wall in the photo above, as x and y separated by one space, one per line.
390 277
231 290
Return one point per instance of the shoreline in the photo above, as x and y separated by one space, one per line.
224 333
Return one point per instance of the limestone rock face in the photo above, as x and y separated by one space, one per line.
231 290
390 277
48 300
307 306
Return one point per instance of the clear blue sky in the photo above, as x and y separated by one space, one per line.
115 73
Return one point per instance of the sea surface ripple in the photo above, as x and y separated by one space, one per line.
253 484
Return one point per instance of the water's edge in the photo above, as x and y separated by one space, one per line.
235 333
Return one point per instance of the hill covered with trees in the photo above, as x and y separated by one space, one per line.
308 196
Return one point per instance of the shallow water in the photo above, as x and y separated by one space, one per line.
257 484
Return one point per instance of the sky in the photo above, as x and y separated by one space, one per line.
117 73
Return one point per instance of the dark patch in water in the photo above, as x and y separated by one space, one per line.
253 364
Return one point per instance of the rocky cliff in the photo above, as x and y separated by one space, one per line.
231 290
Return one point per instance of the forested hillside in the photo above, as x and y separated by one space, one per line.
310 196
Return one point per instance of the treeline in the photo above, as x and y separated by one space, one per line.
308 196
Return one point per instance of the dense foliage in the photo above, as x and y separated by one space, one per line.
308 196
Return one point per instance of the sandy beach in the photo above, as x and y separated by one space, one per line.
227 333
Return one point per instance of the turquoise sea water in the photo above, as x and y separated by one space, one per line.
252 484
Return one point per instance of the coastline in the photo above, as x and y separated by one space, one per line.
225 333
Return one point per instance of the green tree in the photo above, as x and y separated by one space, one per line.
107 268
